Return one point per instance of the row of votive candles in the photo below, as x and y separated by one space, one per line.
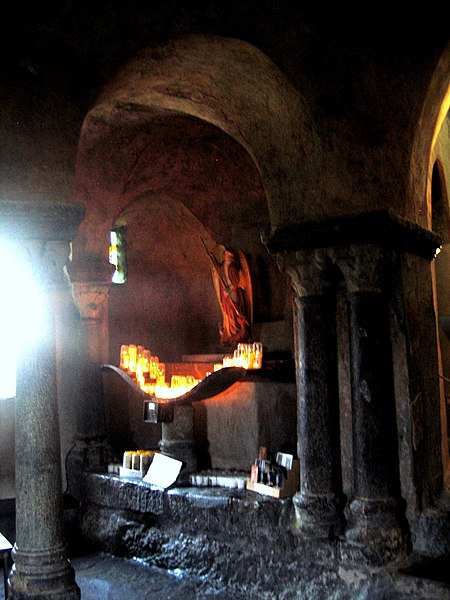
137 460
139 360
150 374
247 356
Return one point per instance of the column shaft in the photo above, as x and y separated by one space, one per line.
319 502
375 512
375 441
91 282
40 236
41 568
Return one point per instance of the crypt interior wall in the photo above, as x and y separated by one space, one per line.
31 173
174 166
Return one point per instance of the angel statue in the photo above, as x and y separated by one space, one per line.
233 286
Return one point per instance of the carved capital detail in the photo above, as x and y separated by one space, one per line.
365 267
91 282
90 299
309 271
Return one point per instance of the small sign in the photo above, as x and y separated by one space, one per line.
163 471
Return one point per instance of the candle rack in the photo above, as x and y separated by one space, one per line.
161 410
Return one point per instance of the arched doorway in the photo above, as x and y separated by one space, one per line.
440 224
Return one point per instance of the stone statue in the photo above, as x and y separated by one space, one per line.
232 283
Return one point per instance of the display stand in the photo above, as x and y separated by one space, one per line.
289 488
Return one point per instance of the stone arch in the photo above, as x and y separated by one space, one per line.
435 108
427 204
225 83
440 219
436 118
197 100
441 224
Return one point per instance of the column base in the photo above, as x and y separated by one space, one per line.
87 453
375 529
319 515
44 575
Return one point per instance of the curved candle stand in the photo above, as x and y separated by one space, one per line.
157 410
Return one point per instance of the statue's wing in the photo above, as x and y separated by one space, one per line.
216 282
245 282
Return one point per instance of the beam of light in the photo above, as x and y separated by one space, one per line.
21 315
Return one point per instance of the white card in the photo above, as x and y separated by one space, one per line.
163 471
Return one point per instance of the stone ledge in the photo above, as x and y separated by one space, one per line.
239 539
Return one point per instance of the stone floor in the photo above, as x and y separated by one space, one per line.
101 576
105 577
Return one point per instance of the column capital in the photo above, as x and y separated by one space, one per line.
365 267
91 282
40 235
381 227
44 221
309 271
90 269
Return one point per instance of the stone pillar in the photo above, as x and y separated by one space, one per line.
40 234
369 252
178 440
319 502
91 282
375 515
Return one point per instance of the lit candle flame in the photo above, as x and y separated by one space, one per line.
150 374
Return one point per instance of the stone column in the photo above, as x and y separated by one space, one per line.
178 441
91 282
319 502
368 251
375 515
40 234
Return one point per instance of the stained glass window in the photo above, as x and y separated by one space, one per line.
117 254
